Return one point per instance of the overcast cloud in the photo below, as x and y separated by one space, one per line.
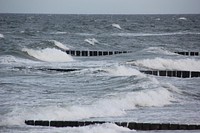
101 6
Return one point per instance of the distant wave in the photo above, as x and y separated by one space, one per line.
169 64
160 50
59 45
1 35
91 41
84 34
49 55
123 71
58 33
116 26
154 34
182 18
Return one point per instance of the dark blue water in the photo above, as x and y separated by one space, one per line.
107 88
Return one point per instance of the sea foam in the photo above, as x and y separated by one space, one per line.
160 50
49 55
91 41
117 26
169 64
59 45
182 18
1 35
109 106
154 34
123 71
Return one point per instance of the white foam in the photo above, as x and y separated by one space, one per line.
110 106
123 71
91 41
12 60
85 34
160 50
154 34
116 26
49 55
103 128
169 64
59 44
182 18
1 35
158 19
60 32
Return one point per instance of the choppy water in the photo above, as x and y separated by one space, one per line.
109 88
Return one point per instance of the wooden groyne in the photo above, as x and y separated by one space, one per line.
188 53
179 74
94 53
130 125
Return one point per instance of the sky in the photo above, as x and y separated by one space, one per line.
101 6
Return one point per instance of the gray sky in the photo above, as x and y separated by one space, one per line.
101 6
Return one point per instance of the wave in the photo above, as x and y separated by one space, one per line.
105 107
154 34
123 71
49 55
116 26
160 50
1 35
169 64
59 45
13 60
102 128
91 41
85 34
151 94
182 18
60 32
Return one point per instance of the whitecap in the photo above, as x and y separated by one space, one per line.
182 18
116 26
169 64
91 41
59 45
1 35
158 19
154 34
110 106
49 55
123 71
160 50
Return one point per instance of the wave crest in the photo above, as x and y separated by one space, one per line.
91 41
169 64
1 35
117 26
59 45
49 55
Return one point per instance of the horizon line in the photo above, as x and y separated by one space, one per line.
102 13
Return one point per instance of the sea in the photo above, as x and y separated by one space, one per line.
104 88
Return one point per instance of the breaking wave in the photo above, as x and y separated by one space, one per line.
182 18
160 50
117 26
49 55
59 45
91 41
123 71
1 35
169 64
110 106
154 34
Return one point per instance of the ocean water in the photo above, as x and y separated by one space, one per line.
106 88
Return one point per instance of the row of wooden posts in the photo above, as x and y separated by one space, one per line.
130 125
